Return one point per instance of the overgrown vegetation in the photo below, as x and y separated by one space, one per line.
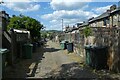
50 34
28 23
87 31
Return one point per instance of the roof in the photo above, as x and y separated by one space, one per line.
116 10
21 31
84 24
70 29
104 15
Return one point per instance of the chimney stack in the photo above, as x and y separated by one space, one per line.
113 7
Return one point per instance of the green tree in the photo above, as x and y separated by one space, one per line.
25 22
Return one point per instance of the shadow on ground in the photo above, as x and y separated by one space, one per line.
72 70
21 68
51 50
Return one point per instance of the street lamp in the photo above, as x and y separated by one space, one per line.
62 25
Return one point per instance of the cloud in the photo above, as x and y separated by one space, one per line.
22 7
101 10
26 0
61 0
57 24
69 17
66 5
64 14
55 27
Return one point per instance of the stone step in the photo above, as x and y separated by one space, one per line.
31 68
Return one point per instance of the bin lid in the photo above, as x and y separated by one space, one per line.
66 41
2 51
88 46
28 44
62 42
70 43
99 47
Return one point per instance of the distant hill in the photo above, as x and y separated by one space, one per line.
52 31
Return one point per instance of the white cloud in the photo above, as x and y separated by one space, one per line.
57 24
26 0
62 0
54 21
101 10
73 14
69 17
66 5
22 7
72 0
16 0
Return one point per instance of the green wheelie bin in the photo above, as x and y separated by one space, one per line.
27 51
63 44
88 54
3 61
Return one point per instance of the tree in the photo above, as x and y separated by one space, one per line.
25 22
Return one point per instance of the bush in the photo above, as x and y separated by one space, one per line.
87 31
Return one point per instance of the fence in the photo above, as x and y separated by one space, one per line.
13 41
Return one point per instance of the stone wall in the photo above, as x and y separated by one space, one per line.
109 37
101 36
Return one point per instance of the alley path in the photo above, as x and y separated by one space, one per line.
54 57
50 62
57 63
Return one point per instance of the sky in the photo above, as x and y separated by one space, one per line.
51 12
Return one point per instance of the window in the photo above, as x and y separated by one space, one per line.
119 17
0 24
104 22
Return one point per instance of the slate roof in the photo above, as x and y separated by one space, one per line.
70 29
84 24
105 14
116 10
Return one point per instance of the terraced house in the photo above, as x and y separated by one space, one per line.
110 18
105 32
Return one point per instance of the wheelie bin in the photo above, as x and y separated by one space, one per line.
88 54
70 47
100 57
27 51
3 60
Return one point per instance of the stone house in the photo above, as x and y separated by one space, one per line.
115 18
110 18
102 20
